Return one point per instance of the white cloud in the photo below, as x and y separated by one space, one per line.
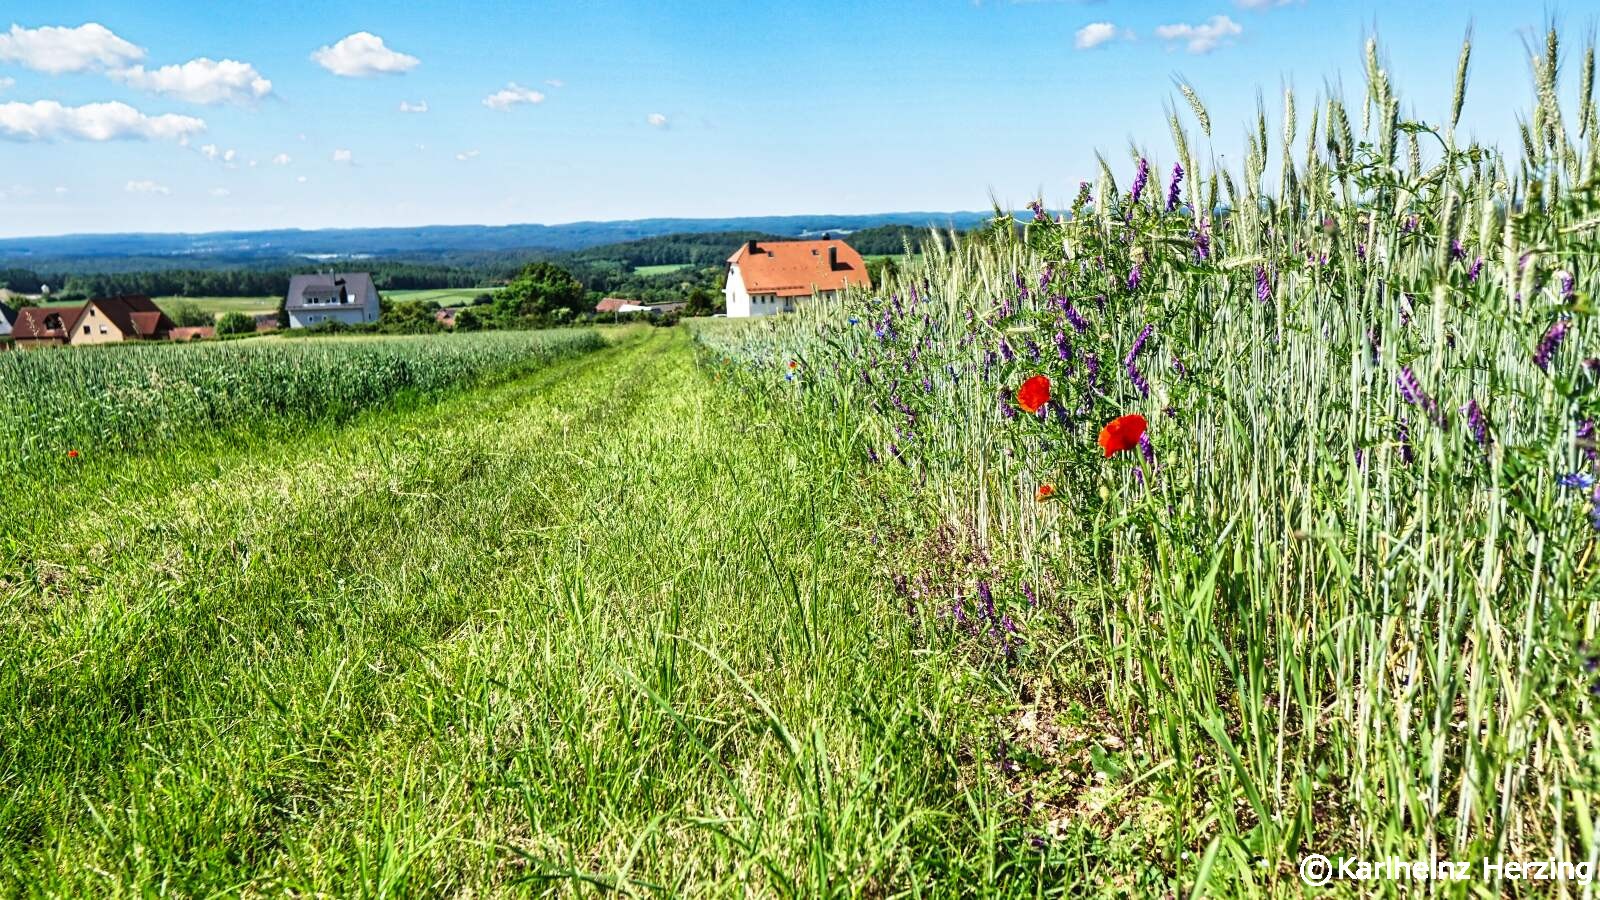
657 120
301 179
282 159
146 186
7 83
47 120
220 192
200 81
343 156
1201 38
56 50
1096 33
466 155
555 82
362 55
421 106
61 189
512 95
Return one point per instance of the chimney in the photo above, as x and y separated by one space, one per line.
750 247
833 257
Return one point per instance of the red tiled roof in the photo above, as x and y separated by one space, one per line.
31 322
193 333
134 316
796 268
611 304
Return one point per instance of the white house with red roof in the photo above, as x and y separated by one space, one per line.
767 277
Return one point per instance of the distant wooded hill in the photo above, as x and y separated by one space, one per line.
447 245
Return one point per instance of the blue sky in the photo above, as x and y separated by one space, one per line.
553 112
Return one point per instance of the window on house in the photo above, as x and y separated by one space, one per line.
102 329
85 329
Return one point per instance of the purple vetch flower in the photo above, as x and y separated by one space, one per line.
1179 367
1033 350
1477 268
1173 188
1139 342
1092 362
1063 349
1410 225
1578 481
1594 521
894 450
1133 278
1263 284
1027 591
927 385
1567 282
1551 342
1411 391
1045 276
1007 411
1078 322
1147 451
1202 242
872 455
1586 441
1456 250
1140 383
1039 215
1361 252
1006 353
1402 436
986 596
1141 177
1477 423
1138 476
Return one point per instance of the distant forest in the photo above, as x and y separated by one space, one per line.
604 271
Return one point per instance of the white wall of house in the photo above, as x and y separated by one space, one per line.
358 311
737 297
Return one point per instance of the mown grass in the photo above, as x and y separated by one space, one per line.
1344 601
596 628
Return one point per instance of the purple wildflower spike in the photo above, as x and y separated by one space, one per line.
1006 352
1476 270
1477 423
1063 349
1141 177
1140 383
1263 284
1402 435
1079 323
1173 189
1133 278
1551 342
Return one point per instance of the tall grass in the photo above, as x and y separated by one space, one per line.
1342 602
104 399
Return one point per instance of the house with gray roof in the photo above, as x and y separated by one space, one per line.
346 297
7 317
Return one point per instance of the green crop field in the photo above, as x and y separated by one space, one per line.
1140 549
665 269
216 306
441 296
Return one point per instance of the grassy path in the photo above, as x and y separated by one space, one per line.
586 629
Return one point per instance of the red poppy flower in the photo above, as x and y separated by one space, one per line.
72 454
1045 492
792 363
1122 433
1034 393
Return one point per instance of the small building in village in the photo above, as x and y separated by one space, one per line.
349 298
105 320
768 277
7 317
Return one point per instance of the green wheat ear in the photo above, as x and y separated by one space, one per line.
1198 108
